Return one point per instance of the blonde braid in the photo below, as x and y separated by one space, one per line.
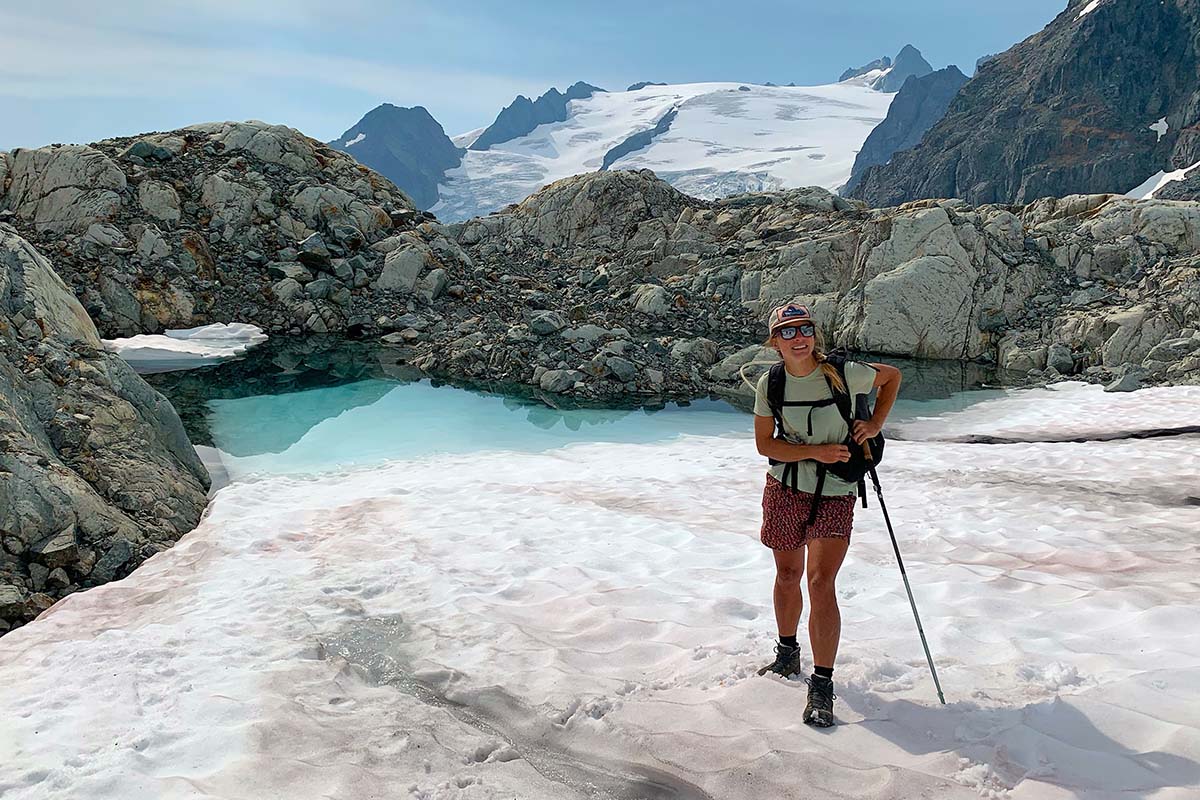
831 372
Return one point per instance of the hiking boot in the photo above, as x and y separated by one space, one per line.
787 661
819 711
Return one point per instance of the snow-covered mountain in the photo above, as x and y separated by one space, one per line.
707 139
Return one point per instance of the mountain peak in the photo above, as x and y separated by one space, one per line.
580 90
908 63
523 115
883 62
387 113
919 104
405 145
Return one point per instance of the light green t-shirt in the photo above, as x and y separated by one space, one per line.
828 427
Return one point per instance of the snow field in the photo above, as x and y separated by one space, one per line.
725 142
606 605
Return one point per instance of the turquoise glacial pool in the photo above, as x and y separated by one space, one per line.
303 406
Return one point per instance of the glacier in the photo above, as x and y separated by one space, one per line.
723 138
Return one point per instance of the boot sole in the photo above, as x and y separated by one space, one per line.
818 722
767 669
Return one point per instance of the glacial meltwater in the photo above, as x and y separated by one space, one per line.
314 405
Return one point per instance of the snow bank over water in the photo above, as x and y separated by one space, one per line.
1064 410
187 347
526 624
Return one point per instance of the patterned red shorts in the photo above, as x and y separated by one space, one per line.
785 517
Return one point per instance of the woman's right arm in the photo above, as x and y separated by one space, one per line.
778 449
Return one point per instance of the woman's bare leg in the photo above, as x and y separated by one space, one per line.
825 558
789 601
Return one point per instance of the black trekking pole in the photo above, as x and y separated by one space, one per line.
907 588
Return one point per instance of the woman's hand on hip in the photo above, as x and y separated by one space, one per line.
865 429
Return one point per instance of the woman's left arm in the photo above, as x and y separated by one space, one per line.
887 381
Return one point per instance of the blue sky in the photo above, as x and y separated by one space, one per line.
77 70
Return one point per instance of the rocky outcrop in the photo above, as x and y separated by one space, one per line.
97 473
64 189
598 278
523 114
405 145
919 104
979 62
220 222
596 210
1186 187
1093 103
618 264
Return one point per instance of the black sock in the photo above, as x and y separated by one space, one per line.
788 641
824 672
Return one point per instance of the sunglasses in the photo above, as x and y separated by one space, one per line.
805 329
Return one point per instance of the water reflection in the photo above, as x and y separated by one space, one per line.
312 404
372 420
940 385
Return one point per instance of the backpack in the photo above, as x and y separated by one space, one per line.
860 464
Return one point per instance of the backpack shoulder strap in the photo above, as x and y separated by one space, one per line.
775 385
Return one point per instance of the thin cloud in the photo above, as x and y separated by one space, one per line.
57 60
48 59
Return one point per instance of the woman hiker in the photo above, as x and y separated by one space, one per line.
813 435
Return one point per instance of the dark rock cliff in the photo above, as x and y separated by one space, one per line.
921 102
1069 110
